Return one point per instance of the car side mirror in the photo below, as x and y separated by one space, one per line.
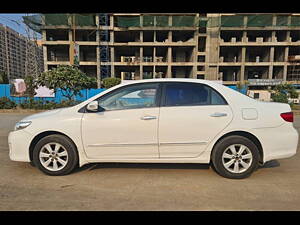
94 107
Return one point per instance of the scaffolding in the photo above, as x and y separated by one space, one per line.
104 49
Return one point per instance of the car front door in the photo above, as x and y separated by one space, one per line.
191 116
127 128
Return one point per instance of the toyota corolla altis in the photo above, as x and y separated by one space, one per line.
159 121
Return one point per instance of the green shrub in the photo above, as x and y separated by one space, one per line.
279 97
110 82
6 103
47 105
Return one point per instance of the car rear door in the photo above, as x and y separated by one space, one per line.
191 115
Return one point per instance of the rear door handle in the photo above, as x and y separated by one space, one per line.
218 114
148 118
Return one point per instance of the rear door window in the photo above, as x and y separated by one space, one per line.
191 94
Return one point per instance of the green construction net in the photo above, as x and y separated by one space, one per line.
35 22
259 20
56 19
128 21
295 21
85 20
162 21
282 21
183 21
232 21
148 21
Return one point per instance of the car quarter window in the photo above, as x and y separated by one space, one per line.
131 97
190 94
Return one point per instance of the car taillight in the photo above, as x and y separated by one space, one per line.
288 116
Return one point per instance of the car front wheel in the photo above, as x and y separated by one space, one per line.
235 157
55 155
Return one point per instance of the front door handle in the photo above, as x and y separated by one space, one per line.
148 118
218 114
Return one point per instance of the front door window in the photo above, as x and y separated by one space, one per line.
132 97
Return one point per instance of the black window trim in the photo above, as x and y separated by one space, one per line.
157 97
163 94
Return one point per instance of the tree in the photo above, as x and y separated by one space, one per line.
283 92
3 78
68 79
110 82
31 85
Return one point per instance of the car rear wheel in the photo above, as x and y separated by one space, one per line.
55 155
235 157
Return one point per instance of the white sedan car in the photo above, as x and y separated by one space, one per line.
159 121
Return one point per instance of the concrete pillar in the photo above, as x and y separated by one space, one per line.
71 47
141 63
286 55
169 72
111 21
111 37
141 36
170 21
242 76
97 20
170 36
195 50
195 57
213 53
274 18
271 63
112 60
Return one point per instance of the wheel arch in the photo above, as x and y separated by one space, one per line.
38 137
245 134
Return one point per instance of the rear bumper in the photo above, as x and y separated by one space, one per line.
18 142
278 143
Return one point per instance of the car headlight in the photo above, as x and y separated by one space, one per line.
22 124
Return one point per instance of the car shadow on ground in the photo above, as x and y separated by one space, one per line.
96 166
270 164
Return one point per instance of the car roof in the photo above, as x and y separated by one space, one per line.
191 80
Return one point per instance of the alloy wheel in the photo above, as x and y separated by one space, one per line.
53 156
237 158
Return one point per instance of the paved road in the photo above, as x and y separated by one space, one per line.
110 186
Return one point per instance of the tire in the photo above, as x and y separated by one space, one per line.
55 155
235 157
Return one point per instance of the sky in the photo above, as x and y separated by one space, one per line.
8 19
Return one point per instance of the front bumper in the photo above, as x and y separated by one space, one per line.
19 142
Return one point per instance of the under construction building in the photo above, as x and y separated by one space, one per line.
226 47
14 57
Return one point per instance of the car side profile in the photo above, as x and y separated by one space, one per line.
159 121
